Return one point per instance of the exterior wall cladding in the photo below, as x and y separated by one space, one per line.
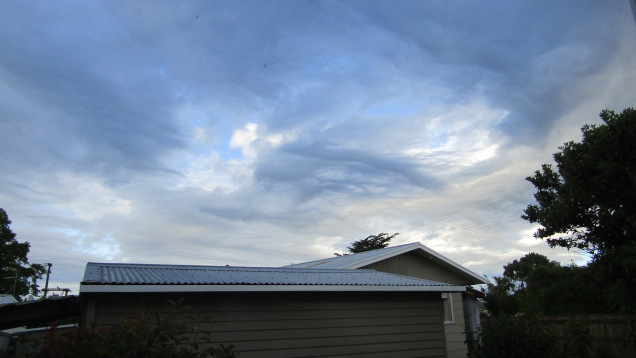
410 264
300 324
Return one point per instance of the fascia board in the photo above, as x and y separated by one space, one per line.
261 288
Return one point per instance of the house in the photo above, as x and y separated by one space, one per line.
461 314
284 312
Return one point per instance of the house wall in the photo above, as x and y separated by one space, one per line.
414 265
455 332
287 324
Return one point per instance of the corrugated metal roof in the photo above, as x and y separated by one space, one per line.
363 259
139 274
345 261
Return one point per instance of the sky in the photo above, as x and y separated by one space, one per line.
265 133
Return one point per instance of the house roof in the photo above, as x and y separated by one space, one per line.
6 298
354 261
38 312
109 277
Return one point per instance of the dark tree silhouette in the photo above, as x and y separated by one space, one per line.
18 277
371 242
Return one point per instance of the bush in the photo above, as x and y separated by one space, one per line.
527 336
145 335
507 336
578 342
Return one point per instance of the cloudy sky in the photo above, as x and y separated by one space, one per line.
263 133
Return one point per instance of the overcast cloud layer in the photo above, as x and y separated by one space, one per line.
262 133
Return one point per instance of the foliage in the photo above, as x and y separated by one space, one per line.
15 264
528 336
145 335
371 242
518 271
589 203
561 290
506 295
499 298
508 336
534 284
578 341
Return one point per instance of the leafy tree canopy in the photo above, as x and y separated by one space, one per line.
535 285
589 202
18 277
518 271
571 289
371 242
508 293
499 298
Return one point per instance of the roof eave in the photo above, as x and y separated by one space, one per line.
87 288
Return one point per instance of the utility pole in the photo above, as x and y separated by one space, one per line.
48 273
15 282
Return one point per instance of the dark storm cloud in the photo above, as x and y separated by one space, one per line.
530 57
69 102
355 171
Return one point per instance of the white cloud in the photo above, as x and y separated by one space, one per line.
326 246
527 238
86 198
106 248
253 139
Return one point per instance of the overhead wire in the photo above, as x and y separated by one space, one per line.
482 226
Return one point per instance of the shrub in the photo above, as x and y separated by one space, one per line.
145 335
527 336
507 336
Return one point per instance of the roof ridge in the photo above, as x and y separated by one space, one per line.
215 267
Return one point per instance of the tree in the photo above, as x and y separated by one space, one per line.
518 271
510 294
535 285
371 242
499 298
571 290
589 203
17 276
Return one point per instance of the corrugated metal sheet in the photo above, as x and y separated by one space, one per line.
347 260
138 274
354 261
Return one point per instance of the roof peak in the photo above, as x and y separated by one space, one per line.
361 259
